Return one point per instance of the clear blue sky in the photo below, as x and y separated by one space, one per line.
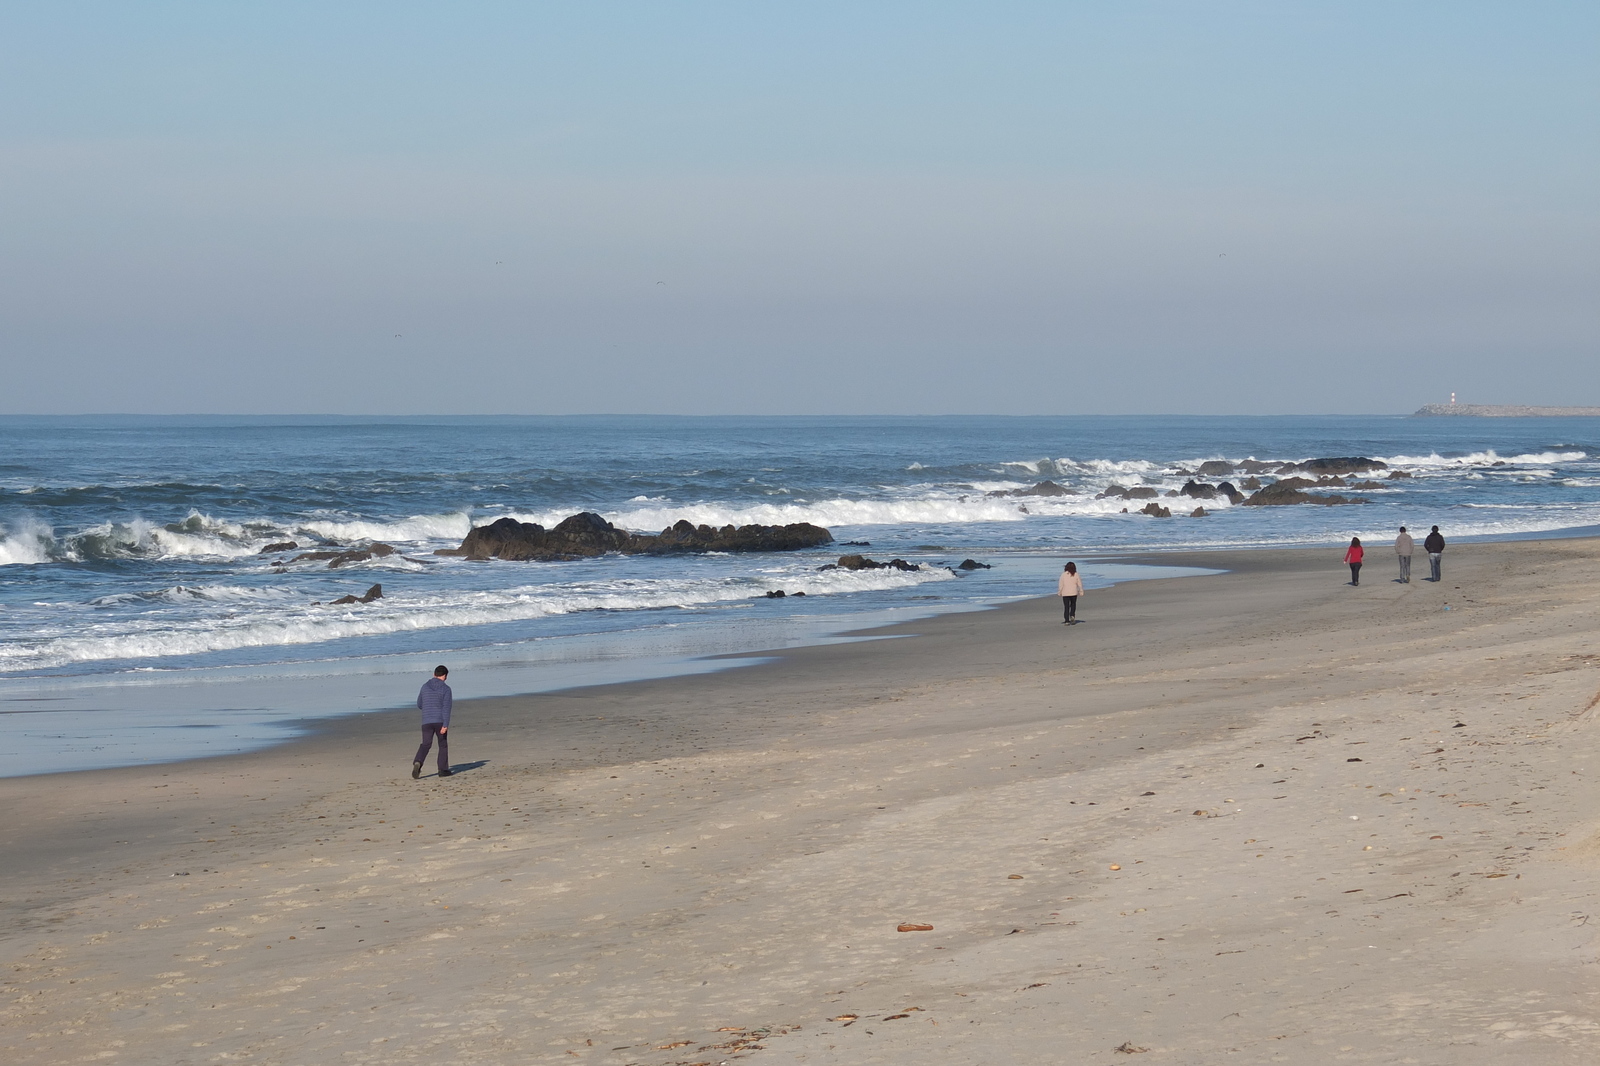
1122 206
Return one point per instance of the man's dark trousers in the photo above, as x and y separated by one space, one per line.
429 731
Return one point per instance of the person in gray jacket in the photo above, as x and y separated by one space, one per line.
1403 545
434 702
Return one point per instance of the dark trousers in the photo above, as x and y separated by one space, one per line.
429 731
1069 608
1433 564
1405 568
1355 573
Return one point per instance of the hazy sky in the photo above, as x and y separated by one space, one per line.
1053 207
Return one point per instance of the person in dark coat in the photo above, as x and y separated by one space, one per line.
1433 544
434 702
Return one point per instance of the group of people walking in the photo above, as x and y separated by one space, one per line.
1433 544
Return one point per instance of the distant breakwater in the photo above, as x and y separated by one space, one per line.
1503 410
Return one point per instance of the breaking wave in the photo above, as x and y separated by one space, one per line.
1484 458
200 536
28 544
163 637
927 511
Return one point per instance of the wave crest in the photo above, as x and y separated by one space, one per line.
156 637
27 545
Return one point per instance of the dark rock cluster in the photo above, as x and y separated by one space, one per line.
861 562
1285 492
1138 492
587 534
338 557
1043 488
1201 491
374 593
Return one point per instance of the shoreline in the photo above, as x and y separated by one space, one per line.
537 675
624 867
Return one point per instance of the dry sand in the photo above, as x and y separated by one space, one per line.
1255 817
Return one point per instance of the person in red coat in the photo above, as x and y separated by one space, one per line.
1353 556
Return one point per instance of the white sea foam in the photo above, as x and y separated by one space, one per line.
415 529
1067 467
27 544
278 626
188 594
197 536
938 510
1484 458
200 536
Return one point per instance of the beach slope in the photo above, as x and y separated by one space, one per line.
1261 816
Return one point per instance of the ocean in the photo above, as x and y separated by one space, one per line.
141 621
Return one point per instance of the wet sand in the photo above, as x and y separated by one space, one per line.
1224 819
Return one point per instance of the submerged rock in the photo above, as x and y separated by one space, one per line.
374 593
1344 464
861 562
285 546
1283 493
586 535
973 564
343 557
1043 488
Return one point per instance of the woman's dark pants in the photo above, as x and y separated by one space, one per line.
1069 608
1355 573
429 731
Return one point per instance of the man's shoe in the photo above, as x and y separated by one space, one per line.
446 773
416 770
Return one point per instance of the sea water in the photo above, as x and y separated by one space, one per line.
141 620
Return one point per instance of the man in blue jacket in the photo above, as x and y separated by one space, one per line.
434 702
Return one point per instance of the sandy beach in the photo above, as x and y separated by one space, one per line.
1255 817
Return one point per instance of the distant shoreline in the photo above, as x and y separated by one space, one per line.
1503 410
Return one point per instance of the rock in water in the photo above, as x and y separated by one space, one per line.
973 564
374 593
1283 493
1344 464
1155 510
861 562
586 535
341 557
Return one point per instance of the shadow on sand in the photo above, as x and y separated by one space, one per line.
462 767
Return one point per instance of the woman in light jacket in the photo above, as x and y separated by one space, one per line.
1071 587
1353 556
